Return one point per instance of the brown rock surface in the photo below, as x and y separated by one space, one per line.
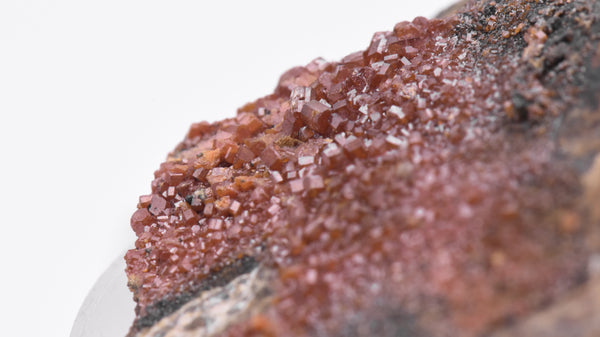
443 182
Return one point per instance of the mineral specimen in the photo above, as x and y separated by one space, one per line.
443 182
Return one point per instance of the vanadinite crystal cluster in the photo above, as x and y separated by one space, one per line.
438 183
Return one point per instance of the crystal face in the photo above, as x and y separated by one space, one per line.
399 175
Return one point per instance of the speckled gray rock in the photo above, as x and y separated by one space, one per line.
216 309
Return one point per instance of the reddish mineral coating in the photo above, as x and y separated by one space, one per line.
397 178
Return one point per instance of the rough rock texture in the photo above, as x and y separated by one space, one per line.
214 310
443 182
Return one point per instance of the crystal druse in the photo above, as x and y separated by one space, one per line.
442 182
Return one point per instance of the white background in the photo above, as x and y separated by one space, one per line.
93 95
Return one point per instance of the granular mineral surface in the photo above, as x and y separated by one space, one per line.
422 186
